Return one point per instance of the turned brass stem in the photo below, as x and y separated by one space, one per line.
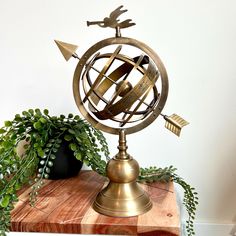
122 154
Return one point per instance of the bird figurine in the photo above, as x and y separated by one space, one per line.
112 21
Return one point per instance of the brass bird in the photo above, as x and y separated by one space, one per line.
112 21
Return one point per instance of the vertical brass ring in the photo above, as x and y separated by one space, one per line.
122 41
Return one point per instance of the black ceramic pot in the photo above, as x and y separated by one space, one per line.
65 165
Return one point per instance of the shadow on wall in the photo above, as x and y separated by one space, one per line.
179 197
233 231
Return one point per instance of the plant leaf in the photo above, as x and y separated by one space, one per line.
68 137
2 131
5 200
78 156
71 131
43 120
46 112
40 152
73 146
37 125
8 123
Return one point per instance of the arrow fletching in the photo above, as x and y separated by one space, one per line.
67 49
175 123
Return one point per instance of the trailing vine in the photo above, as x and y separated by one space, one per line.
43 135
190 200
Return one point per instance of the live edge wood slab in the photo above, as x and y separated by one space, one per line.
64 206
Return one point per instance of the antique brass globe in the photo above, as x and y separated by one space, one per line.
121 98
124 90
120 86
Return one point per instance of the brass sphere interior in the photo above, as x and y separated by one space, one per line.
123 87
88 100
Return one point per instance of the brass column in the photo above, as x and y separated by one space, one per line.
122 197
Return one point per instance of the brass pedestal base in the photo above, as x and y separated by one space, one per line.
122 200
122 197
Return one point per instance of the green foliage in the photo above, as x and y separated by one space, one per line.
43 135
190 200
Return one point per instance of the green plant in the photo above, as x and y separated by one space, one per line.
43 135
190 200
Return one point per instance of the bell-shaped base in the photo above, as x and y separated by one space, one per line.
122 200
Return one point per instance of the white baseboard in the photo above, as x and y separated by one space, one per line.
205 229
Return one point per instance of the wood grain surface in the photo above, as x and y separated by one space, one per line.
64 206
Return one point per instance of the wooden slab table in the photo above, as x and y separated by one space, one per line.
64 206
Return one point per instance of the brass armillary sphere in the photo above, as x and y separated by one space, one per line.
120 86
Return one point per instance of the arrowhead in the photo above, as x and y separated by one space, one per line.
66 49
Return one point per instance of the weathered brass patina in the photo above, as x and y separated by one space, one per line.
121 95
102 84
122 196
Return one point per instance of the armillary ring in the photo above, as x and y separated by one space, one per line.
126 104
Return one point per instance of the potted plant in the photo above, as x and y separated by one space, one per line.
43 137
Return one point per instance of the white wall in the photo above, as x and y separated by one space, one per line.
196 40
